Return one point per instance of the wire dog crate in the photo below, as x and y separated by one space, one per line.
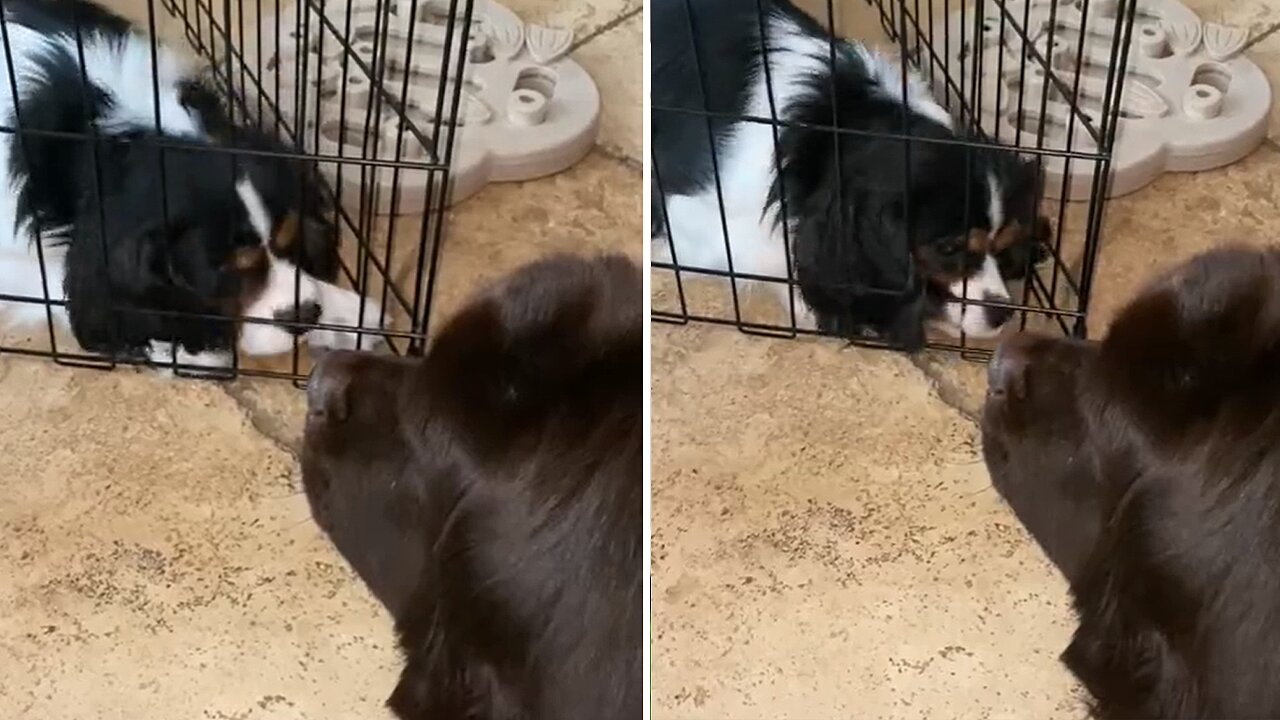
1053 100
386 174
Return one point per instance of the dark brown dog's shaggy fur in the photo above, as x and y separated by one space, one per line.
1147 466
491 496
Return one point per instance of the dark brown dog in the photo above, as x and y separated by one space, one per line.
1147 467
491 496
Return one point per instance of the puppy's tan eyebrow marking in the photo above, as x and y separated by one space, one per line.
978 240
1007 236
249 258
982 241
286 234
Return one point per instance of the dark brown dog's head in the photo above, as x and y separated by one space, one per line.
491 496
1147 467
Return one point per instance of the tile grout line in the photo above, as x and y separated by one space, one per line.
259 421
621 158
605 28
947 392
1261 36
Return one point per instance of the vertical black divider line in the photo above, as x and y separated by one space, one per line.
398 157
946 52
1119 64
244 84
313 177
666 224
369 191
312 170
916 54
908 217
20 136
1050 76
436 209
966 78
1065 193
377 83
999 104
929 43
339 185
277 115
257 40
1035 281
304 167
978 132
213 35
95 151
715 163
159 122
837 127
229 69
199 28
1028 286
448 148
782 219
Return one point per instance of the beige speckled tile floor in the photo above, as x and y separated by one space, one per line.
159 560
827 545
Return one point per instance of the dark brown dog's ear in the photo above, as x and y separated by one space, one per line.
1120 652
1196 340
439 680
544 336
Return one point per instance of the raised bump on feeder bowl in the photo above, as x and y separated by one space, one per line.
1153 41
526 108
1221 42
1202 102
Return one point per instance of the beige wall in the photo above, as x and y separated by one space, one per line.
855 19
860 20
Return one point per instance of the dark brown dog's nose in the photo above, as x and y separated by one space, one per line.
328 385
1007 371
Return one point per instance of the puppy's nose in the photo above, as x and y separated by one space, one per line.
1007 371
308 313
328 385
997 316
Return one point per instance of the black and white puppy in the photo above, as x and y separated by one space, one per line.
136 238
881 240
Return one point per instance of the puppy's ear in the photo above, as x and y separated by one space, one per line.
206 104
438 682
187 264
138 260
854 268
163 256
318 247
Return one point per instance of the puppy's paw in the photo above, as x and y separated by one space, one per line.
804 317
260 339
346 308
167 358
